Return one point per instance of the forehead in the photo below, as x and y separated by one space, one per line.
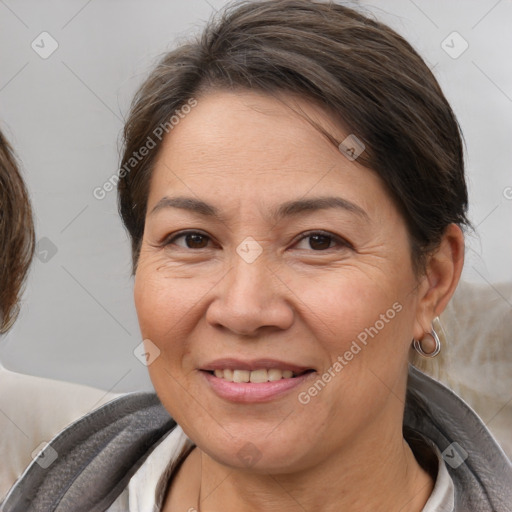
252 130
248 146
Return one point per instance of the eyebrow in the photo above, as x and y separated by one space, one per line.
288 209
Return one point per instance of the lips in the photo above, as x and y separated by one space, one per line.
253 381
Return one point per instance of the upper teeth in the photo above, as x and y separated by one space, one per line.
254 376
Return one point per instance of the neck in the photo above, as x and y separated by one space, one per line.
382 475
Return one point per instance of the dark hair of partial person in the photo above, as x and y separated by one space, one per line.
362 72
16 235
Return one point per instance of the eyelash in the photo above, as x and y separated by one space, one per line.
342 242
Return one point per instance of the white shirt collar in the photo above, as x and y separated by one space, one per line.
442 498
145 489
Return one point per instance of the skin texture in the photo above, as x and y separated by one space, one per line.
303 300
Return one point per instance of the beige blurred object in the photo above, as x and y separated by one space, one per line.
32 411
476 354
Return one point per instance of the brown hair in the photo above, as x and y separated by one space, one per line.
16 235
357 68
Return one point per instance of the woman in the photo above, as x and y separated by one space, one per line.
293 186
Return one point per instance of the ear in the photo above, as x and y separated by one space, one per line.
442 274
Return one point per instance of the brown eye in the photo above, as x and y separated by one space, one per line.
196 241
319 242
193 240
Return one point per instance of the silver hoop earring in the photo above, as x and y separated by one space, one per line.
418 347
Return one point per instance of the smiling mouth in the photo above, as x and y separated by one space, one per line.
256 376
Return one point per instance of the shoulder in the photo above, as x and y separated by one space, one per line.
93 459
32 411
481 472
477 356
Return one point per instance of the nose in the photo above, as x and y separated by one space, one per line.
251 299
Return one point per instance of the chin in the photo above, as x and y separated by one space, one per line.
255 451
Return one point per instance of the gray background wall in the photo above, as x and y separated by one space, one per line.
64 114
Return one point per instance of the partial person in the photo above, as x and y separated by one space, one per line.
32 409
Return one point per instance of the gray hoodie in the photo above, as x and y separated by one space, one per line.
99 453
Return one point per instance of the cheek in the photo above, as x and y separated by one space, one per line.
360 322
169 309
163 303
164 309
344 304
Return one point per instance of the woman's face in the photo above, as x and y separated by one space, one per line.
267 251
